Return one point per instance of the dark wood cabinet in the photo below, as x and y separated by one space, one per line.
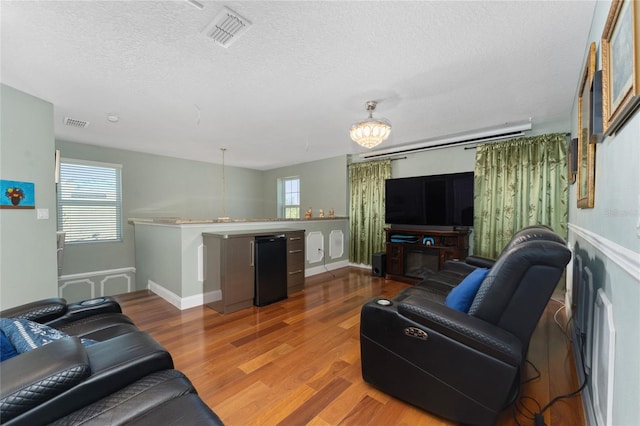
414 253
229 267
295 261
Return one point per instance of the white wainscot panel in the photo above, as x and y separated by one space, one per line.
603 359
315 247
76 290
336 244
115 284
88 285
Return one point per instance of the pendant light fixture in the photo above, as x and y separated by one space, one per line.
372 131
224 191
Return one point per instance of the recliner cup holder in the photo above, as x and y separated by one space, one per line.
93 302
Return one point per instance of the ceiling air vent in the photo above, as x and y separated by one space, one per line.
75 122
227 27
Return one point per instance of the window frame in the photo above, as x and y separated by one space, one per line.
283 197
117 202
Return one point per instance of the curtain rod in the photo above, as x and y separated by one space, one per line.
390 159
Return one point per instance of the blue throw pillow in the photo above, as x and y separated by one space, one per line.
26 335
461 297
6 348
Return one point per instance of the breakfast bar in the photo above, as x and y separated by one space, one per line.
170 254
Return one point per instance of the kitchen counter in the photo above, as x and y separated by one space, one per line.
169 251
184 221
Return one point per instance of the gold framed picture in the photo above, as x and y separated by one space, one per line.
586 151
572 159
620 63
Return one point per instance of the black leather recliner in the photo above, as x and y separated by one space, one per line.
453 272
528 233
125 378
98 319
462 366
58 378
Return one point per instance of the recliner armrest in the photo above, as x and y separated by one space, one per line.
39 311
480 261
471 331
86 308
114 364
41 374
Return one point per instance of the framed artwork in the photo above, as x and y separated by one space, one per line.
57 166
595 108
620 67
16 195
586 151
572 159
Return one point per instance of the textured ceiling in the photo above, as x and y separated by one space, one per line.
289 89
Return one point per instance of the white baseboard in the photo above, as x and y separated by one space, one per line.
360 265
184 302
308 272
200 299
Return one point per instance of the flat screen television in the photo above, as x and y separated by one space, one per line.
437 200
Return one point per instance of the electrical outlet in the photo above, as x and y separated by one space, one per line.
42 214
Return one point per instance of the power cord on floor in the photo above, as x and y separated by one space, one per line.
324 264
538 416
519 408
531 379
523 411
566 326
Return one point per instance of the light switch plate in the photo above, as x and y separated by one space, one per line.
42 214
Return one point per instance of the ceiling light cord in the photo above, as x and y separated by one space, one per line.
224 193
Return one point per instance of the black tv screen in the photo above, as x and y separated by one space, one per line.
438 200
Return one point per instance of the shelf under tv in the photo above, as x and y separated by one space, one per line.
414 252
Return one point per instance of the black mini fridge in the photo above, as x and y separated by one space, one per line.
270 269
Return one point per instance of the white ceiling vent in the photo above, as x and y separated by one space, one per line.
227 27
73 122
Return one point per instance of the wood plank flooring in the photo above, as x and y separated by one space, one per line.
297 361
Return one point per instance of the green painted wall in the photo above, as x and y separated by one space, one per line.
28 264
323 185
157 186
614 222
435 162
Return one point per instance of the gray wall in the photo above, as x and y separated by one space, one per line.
156 186
323 185
28 265
608 239
435 162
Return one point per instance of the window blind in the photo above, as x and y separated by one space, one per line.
292 198
90 201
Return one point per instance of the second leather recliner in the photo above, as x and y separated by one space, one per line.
462 366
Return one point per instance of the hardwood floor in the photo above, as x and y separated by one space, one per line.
297 361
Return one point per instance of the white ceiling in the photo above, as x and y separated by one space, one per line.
287 91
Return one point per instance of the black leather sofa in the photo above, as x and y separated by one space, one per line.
464 366
453 272
125 377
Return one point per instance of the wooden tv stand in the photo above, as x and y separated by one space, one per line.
415 252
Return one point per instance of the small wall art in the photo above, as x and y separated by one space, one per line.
620 64
572 159
17 195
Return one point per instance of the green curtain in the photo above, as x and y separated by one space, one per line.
518 183
366 216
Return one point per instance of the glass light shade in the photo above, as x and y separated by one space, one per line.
370 132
